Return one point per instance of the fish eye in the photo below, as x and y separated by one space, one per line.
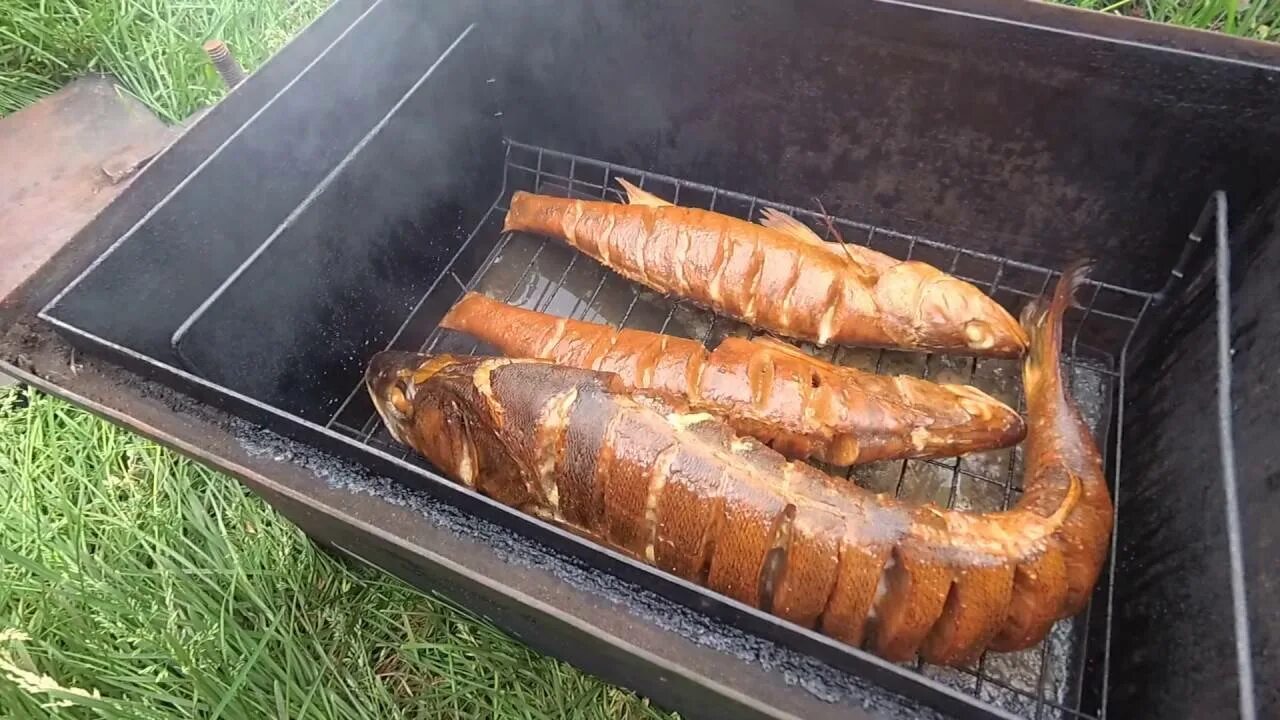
978 335
399 402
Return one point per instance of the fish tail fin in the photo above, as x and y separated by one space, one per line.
1042 321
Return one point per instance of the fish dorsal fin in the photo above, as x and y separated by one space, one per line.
872 261
774 343
786 348
787 225
636 196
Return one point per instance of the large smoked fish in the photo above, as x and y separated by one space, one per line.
680 491
777 275
799 405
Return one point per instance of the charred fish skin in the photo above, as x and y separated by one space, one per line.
800 405
777 275
680 491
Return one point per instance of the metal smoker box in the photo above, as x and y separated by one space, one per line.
342 198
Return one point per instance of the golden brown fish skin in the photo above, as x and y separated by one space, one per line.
679 490
1061 458
797 404
782 278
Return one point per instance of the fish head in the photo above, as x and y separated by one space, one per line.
961 316
476 418
443 406
409 388
934 310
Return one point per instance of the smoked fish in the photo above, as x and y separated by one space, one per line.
799 405
777 275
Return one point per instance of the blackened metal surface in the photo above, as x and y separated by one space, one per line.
1172 641
343 271
1256 402
1029 142
187 246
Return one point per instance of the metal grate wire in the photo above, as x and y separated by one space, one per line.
1048 681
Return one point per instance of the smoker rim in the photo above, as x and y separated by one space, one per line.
1073 21
1216 208
906 681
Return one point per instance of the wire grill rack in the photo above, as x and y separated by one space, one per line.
1048 681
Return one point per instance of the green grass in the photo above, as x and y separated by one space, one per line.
1257 19
151 46
134 584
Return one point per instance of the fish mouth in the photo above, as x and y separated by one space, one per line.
389 420
385 367
389 378
1006 339
966 318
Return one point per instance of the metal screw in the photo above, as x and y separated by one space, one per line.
225 63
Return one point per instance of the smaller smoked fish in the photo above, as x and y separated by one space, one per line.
797 404
777 275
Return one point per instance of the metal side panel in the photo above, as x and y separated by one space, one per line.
680 666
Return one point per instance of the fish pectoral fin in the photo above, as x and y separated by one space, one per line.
787 225
773 343
636 196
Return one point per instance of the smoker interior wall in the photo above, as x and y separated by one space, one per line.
1029 143
140 293
1034 144
335 285
905 115
1256 401
168 168
1172 652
